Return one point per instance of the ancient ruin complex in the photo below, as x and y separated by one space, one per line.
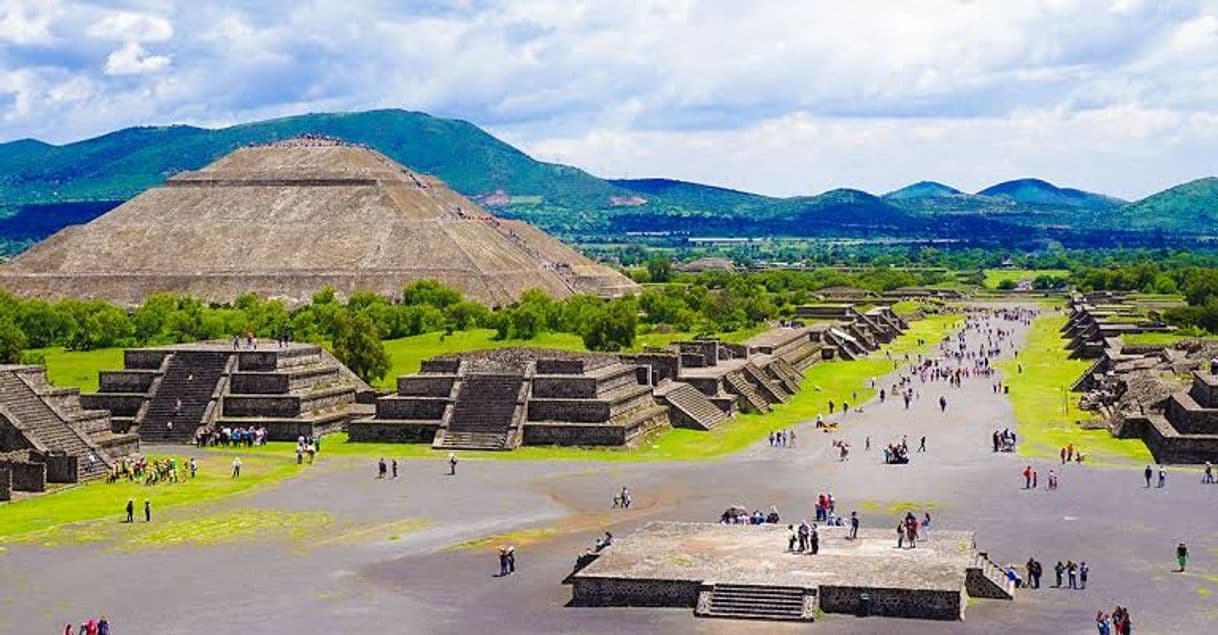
501 399
48 436
1137 389
167 394
288 219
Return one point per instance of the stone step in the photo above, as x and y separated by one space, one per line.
754 602
746 390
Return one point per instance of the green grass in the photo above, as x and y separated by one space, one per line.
1162 339
1045 409
79 368
33 517
995 276
837 380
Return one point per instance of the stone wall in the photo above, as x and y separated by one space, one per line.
26 477
385 432
574 434
426 385
1205 389
1169 446
1189 418
119 405
574 410
411 408
291 430
911 603
6 484
124 381
142 358
259 383
560 367
564 387
634 592
440 365
10 437
62 469
265 361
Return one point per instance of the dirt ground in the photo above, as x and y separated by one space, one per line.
381 574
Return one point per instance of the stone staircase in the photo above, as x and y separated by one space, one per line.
985 579
770 389
743 601
1084 379
191 376
693 404
484 414
790 378
46 428
742 387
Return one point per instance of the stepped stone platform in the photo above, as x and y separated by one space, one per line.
166 394
48 436
501 399
1097 321
744 571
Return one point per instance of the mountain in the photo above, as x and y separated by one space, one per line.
922 189
1042 193
44 187
1186 208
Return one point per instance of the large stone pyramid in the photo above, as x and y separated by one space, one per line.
284 220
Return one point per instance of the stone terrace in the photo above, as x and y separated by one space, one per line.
670 564
293 390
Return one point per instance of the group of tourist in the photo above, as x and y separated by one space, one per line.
382 469
507 561
1116 624
1070 453
908 530
208 436
1149 473
737 515
90 627
622 499
782 438
163 470
1004 440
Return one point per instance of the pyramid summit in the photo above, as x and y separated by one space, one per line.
287 219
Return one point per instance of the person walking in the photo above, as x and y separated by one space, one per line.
922 444
236 467
452 464
1148 473
194 468
130 510
854 525
1162 476
395 469
1181 556
147 510
381 468
1083 570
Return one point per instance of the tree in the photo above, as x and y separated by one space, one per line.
12 341
1007 284
430 292
659 269
613 328
358 345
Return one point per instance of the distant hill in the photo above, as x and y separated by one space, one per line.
44 187
922 189
1043 193
1186 208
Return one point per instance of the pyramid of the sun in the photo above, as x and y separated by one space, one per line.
285 220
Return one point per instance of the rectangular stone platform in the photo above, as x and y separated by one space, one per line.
671 564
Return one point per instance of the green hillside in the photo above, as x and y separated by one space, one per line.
1190 208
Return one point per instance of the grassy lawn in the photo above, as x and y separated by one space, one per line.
43 518
79 368
995 276
837 380
1045 409
1162 339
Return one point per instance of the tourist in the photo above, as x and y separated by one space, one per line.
1101 623
381 468
1058 570
1181 556
452 464
792 538
900 535
1162 476
1035 570
147 510
130 510
814 541
1207 477
236 467
943 404
1148 473
194 468
1013 576
1083 570
925 523
1072 574
395 469
922 444
503 562
854 525
511 559
1027 477
805 533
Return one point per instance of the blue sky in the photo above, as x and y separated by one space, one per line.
1117 96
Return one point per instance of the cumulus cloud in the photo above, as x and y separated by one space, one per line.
768 95
132 59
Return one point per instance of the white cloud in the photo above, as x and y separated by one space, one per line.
124 26
132 59
770 95
26 21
